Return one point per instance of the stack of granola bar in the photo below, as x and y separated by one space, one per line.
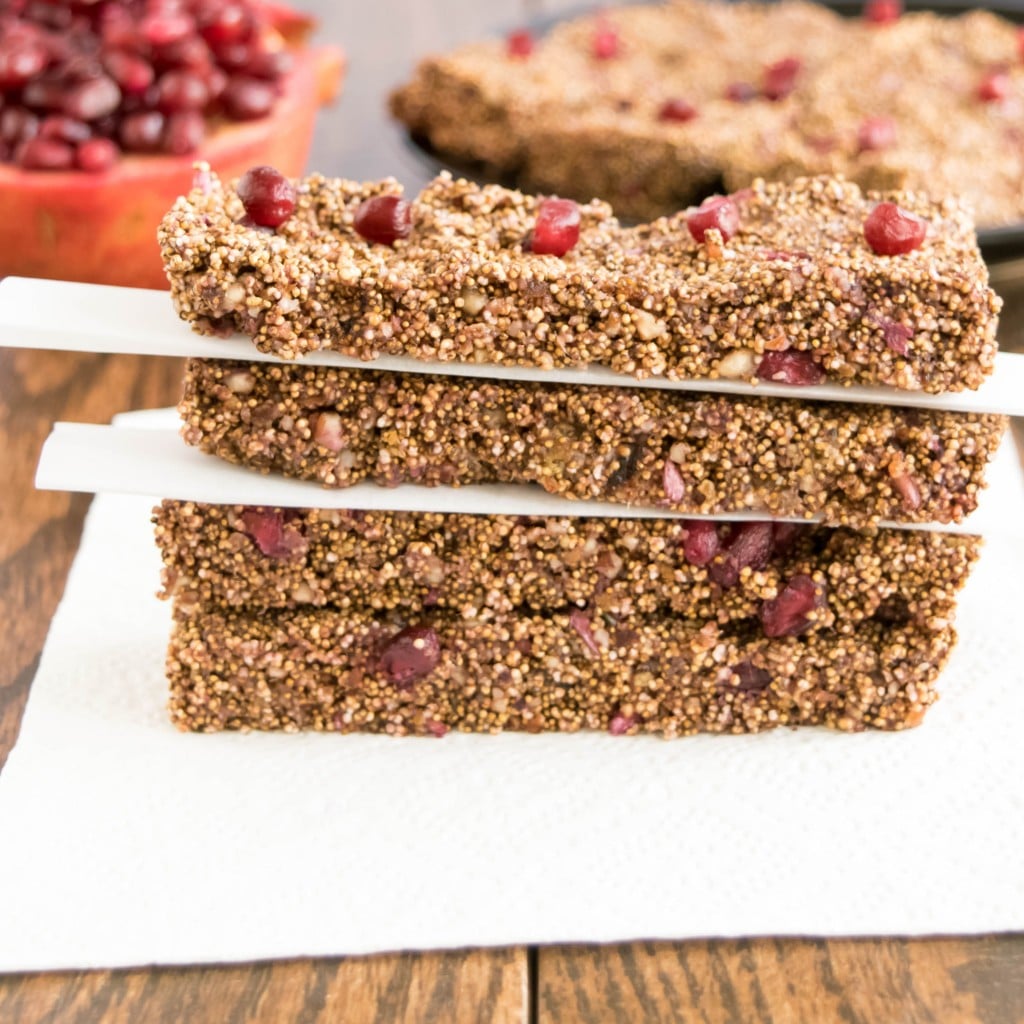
800 609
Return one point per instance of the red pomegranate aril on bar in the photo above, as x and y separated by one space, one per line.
672 480
741 92
790 367
410 655
677 110
883 12
701 543
792 611
96 155
750 546
40 154
892 231
605 43
780 77
876 133
267 195
994 86
519 44
383 219
718 212
557 228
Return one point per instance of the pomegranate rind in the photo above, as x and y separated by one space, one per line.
101 228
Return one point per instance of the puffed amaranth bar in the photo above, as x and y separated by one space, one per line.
323 669
853 464
488 566
796 293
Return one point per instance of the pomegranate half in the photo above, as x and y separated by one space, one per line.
101 227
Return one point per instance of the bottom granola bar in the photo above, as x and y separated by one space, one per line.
327 670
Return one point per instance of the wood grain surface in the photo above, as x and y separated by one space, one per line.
975 981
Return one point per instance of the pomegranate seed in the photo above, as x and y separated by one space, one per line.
677 110
161 29
876 133
180 90
92 99
410 656
436 728
741 92
891 231
40 154
271 534
225 24
908 490
519 44
557 228
267 195
994 87
579 621
43 94
383 219
701 544
189 53
790 367
897 336
882 12
246 99
234 56
605 43
66 129
184 132
270 64
718 212
19 63
132 74
96 155
620 724
780 77
750 678
749 546
784 535
673 482
792 612
18 125
142 132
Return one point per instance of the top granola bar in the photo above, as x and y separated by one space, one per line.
796 294
652 107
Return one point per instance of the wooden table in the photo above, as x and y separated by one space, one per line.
870 981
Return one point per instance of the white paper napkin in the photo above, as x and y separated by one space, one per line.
123 841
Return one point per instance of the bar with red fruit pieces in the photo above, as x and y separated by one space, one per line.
409 623
654 106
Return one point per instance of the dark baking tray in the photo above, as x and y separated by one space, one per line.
997 244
